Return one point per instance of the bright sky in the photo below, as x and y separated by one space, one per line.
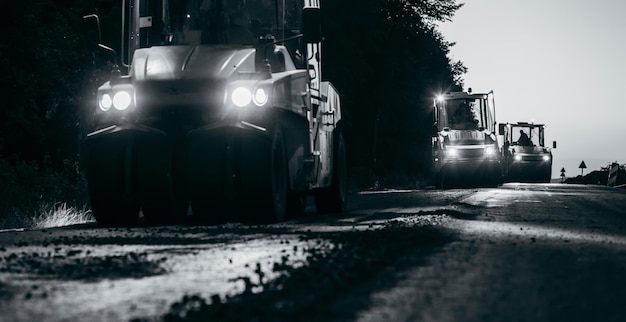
557 62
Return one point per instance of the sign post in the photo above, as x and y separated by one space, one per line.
562 175
582 167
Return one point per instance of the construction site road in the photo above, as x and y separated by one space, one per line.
518 252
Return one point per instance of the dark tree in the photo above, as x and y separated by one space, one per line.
47 67
388 61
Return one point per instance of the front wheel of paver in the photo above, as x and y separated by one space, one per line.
112 183
161 181
264 178
112 209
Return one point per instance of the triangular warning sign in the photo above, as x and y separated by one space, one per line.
562 170
582 165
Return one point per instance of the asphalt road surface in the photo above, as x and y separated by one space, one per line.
519 252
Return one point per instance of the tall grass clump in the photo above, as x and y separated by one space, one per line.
30 191
60 214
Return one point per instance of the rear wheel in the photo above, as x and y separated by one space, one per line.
296 204
334 198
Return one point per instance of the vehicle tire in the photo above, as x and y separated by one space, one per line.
493 180
296 204
112 185
161 182
207 172
265 179
443 180
113 211
207 212
334 198
436 178
165 210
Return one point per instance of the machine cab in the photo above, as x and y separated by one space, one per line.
465 112
524 134
149 23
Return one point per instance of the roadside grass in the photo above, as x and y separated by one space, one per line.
35 196
60 214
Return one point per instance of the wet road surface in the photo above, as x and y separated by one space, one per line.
520 252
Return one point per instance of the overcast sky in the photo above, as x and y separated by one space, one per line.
558 62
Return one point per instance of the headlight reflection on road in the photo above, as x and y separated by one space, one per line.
504 229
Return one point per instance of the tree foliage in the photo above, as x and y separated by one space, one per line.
388 61
45 66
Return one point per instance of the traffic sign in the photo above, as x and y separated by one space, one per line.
582 167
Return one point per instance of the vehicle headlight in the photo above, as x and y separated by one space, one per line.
490 151
517 157
106 102
546 158
241 96
452 152
121 100
260 97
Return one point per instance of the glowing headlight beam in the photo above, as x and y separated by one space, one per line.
241 96
452 152
546 158
260 97
106 102
121 100
517 157
490 151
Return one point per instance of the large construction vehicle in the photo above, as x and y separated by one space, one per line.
215 108
525 158
465 147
